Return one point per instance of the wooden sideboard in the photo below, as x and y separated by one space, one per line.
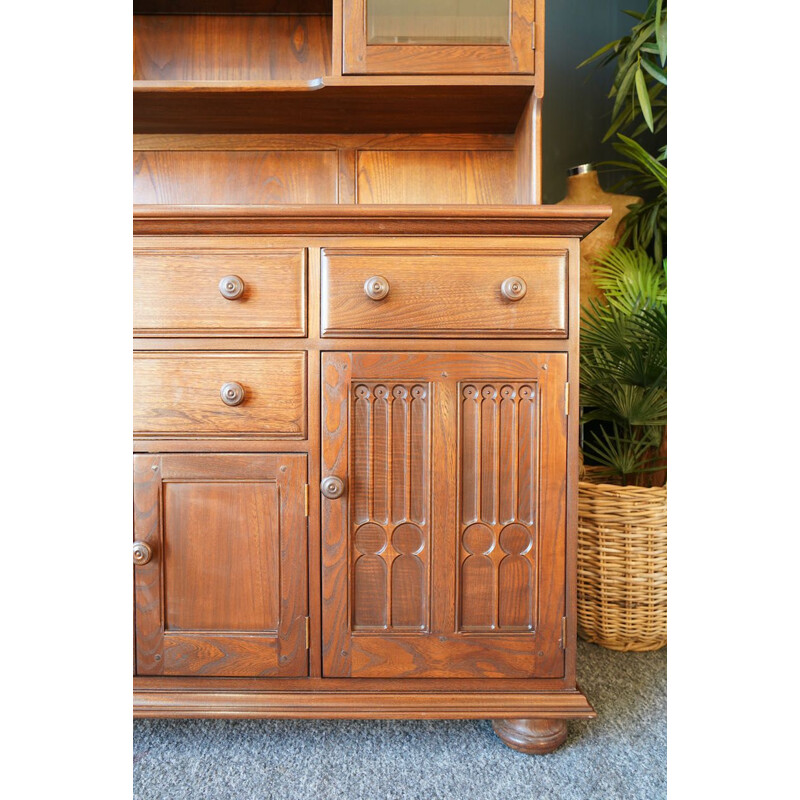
356 467
355 367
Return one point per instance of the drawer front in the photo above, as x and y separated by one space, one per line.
180 395
444 293
179 293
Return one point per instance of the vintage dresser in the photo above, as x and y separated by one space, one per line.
355 367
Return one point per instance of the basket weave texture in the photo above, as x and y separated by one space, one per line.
622 565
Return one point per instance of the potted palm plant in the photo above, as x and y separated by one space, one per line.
622 497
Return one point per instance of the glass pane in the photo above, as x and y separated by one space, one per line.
438 21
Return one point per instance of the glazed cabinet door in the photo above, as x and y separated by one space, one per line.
220 565
443 514
404 37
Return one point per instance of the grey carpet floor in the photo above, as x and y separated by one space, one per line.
621 755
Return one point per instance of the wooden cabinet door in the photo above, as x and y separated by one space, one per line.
445 554
224 592
428 37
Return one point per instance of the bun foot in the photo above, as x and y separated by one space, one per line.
533 736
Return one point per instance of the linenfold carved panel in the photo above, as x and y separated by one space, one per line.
499 443
390 505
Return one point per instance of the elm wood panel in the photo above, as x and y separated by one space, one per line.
313 443
329 108
388 480
176 292
360 653
443 656
361 705
210 653
178 394
573 469
435 177
220 533
346 184
224 538
444 292
528 153
499 505
369 220
197 47
539 40
147 580
331 141
515 57
237 176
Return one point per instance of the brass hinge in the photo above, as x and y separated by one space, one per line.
563 633
306 499
566 399
308 631
533 35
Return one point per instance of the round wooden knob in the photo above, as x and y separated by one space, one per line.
141 553
232 393
332 487
376 287
231 287
514 288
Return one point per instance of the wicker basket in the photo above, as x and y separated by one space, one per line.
622 565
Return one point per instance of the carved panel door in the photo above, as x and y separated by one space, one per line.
445 554
221 583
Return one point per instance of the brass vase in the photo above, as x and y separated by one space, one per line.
583 189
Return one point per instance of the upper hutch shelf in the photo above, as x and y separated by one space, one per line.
335 66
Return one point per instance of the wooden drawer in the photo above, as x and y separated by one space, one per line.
178 293
179 395
444 293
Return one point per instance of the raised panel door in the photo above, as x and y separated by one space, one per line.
224 592
445 554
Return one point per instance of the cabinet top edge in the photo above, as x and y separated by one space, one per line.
541 220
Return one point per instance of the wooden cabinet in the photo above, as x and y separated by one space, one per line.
382 523
221 558
355 369
472 37
444 555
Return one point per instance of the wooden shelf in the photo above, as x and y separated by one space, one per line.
327 105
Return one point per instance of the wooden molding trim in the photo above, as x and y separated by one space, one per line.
497 220
361 705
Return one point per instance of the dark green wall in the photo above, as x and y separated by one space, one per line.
576 110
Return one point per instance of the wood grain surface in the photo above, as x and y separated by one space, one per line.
231 177
176 292
178 394
225 593
198 47
436 177
359 525
434 291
